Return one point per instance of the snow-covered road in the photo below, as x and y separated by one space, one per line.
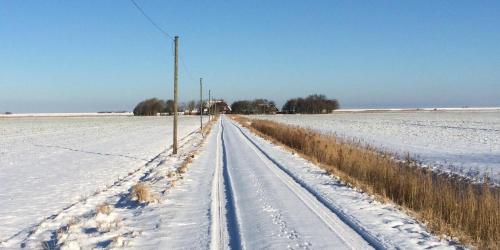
268 209
262 197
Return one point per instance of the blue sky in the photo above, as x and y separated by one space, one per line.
79 56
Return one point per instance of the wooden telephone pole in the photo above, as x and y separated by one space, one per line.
176 62
209 106
201 104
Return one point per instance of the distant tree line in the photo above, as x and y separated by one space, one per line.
154 106
313 104
257 106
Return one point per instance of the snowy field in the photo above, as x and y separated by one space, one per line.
48 163
239 192
467 142
103 114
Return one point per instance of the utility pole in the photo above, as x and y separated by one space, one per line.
176 72
201 104
209 106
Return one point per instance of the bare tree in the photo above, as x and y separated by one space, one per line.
169 107
191 105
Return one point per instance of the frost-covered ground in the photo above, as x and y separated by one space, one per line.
466 142
239 192
3 115
49 163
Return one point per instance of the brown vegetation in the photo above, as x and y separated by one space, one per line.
171 174
142 193
208 127
447 204
182 169
104 208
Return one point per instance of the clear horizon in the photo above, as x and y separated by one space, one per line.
95 56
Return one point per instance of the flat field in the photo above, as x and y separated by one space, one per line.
464 142
48 163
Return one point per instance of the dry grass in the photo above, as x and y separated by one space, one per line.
171 174
447 204
118 241
206 129
176 175
173 183
181 170
142 193
184 165
104 208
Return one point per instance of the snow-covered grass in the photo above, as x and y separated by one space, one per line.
448 205
464 142
130 208
50 163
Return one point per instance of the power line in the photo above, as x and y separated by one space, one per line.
186 68
183 63
165 33
151 20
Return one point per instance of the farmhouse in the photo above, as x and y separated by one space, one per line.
268 108
220 106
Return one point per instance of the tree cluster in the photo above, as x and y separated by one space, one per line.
313 104
153 106
257 106
189 107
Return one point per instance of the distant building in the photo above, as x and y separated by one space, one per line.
195 111
268 108
219 106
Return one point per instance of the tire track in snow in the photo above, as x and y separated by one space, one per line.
218 222
277 215
316 202
233 227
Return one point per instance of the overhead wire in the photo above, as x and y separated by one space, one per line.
165 33
186 69
138 7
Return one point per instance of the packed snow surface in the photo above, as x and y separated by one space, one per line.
465 142
49 163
